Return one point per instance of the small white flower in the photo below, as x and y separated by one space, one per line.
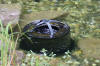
97 61
44 54
69 56
68 52
69 61
86 61
28 55
64 57
23 64
93 64
76 62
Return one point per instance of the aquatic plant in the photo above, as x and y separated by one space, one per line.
7 45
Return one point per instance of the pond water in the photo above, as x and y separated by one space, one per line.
84 20
83 16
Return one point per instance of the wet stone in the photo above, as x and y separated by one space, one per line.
51 35
10 13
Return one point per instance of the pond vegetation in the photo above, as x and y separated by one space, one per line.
84 19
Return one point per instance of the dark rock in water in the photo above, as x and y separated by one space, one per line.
52 35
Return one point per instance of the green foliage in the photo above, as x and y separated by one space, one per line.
7 46
33 59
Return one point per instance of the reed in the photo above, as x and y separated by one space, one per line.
7 45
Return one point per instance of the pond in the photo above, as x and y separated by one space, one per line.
83 17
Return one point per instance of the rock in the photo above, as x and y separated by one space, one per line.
9 13
90 47
55 62
19 55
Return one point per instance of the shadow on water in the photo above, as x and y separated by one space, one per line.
72 47
27 46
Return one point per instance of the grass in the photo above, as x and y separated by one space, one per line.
4 45
7 45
